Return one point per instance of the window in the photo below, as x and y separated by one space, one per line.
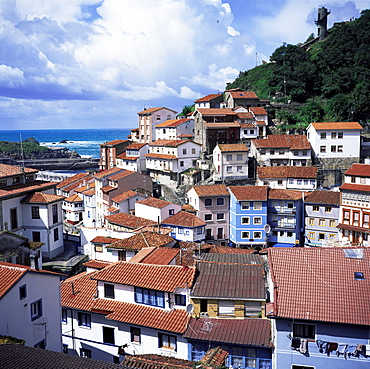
257 234
199 230
323 135
245 234
35 212
64 315
167 341
226 307
332 223
85 353
22 292
257 220
334 135
311 235
346 216
184 151
333 148
135 334
220 201
340 148
245 205
193 150
56 234
208 202
302 367
65 349
98 248
257 205
299 182
171 212
279 182
262 151
322 148
36 309
180 299
340 134
84 320
272 152
229 169
36 236
322 222
304 331
229 157
239 157
327 209
359 275
13 218
315 208
311 221
366 220
109 290
245 220
180 230
181 163
289 234
149 297
220 216
208 217
239 168
55 213
108 335
321 236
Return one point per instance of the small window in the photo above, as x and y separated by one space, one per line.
327 209
108 335
22 292
171 212
322 148
36 309
323 135
35 211
340 148
289 234
340 134
167 341
334 135
257 220
180 299
245 234
85 353
181 163
322 222
279 182
239 168
239 157
98 248
257 205
359 275
208 202
220 216
332 223
208 217
311 235
245 220
84 320
220 201
135 334
56 234
245 205
263 152
229 157
304 331
184 151
315 208
36 236
321 236
109 291
229 169
193 151
55 213
64 315
311 221
257 234
333 148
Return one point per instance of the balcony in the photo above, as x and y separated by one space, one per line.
282 210
209 237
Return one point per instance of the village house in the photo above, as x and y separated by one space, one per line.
209 101
125 202
87 193
237 97
175 129
124 222
281 150
230 162
288 177
354 215
129 308
73 209
321 218
70 185
253 123
133 157
318 306
211 203
30 306
109 151
149 118
156 209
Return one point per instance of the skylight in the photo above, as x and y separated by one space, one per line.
354 253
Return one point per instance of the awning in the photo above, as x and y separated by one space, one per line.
353 228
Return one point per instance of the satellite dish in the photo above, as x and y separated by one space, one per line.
267 228
189 308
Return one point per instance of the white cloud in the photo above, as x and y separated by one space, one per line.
11 77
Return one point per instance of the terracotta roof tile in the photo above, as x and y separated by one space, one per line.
106 173
255 332
217 111
167 320
359 170
282 194
167 143
232 147
154 202
73 198
107 189
323 197
336 125
157 277
257 110
222 124
141 240
90 192
292 142
319 284
113 210
216 249
152 110
23 189
128 220
113 143
245 115
41 198
125 157
234 258
249 193
243 95
68 181
96 264
184 219
124 196
124 173
287 172
142 254
85 188
208 98
355 187
211 190
104 240
135 146
161 156
171 123
151 361
160 256
215 357
12 170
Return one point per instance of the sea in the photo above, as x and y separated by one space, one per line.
84 141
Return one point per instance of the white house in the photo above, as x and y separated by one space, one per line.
89 204
125 202
30 306
73 209
173 129
127 308
331 140
277 150
133 158
155 209
230 161
209 101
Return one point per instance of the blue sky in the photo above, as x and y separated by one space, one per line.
95 64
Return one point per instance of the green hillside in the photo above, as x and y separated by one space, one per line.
331 78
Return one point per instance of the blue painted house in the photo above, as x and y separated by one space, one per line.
248 216
319 307
285 217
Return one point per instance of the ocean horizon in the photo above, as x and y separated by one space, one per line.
85 142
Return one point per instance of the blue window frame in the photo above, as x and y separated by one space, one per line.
22 292
180 299
64 315
167 341
84 319
149 297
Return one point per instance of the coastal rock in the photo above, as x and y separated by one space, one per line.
31 139
63 141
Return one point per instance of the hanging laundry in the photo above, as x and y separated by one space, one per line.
296 343
342 349
367 352
332 346
303 346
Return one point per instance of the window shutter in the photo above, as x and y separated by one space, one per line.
225 307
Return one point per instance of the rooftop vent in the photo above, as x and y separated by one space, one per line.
359 275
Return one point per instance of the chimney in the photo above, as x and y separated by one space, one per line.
34 260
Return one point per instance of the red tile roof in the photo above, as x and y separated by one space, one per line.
108 172
318 284
359 170
287 172
292 142
141 240
222 125
24 188
107 189
336 125
113 209
123 174
208 98
171 123
217 111
229 250
124 196
158 255
12 170
41 198
243 95
157 277
150 361
113 143
215 357
249 193
128 220
152 110
232 147
85 188
257 110
142 254
161 156
73 198
68 181
282 194
211 190
355 187
135 146
184 219
125 157
246 116
168 143
104 240
231 281
96 264
154 202
323 197
255 332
